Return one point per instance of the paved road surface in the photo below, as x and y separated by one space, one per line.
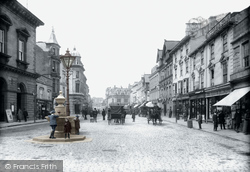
134 146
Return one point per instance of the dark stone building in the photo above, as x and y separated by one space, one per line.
17 58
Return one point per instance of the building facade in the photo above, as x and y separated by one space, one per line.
133 94
154 85
78 89
17 58
98 103
117 95
238 57
165 81
211 65
48 67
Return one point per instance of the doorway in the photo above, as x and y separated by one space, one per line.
3 88
20 97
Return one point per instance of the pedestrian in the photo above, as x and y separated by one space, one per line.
222 120
85 114
25 114
103 114
238 120
77 124
199 120
19 115
247 121
109 116
95 114
53 123
215 121
67 128
123 115
170 112
133 116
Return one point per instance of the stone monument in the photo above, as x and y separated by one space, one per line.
60 110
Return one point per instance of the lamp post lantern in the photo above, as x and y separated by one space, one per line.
67 61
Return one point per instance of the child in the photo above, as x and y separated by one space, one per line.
67 128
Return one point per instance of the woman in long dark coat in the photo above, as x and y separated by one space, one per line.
67 128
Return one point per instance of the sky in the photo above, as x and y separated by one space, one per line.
118 40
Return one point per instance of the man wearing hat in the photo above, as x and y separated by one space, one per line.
53 123
77 124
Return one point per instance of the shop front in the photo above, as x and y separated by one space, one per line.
237 99
43 108
214 95
197 104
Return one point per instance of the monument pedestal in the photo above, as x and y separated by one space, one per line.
60 110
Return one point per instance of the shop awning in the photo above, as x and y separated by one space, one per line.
143 104
149 104
233 97
136 105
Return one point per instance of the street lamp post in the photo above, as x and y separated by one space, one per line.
67 61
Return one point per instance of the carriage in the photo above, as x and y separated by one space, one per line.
117 114
154 114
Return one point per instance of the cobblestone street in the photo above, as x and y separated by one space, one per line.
134 146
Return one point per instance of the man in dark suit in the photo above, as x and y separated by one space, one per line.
25 114
222 120
53 123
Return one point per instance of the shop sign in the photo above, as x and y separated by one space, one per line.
9 115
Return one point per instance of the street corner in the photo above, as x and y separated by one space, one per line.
46 140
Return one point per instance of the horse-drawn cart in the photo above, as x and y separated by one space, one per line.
117 114
154 114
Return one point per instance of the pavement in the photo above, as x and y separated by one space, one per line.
206 127
132 147
22 123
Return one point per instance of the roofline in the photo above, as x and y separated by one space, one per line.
19 9
184 40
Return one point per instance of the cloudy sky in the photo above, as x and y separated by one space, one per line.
118 39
